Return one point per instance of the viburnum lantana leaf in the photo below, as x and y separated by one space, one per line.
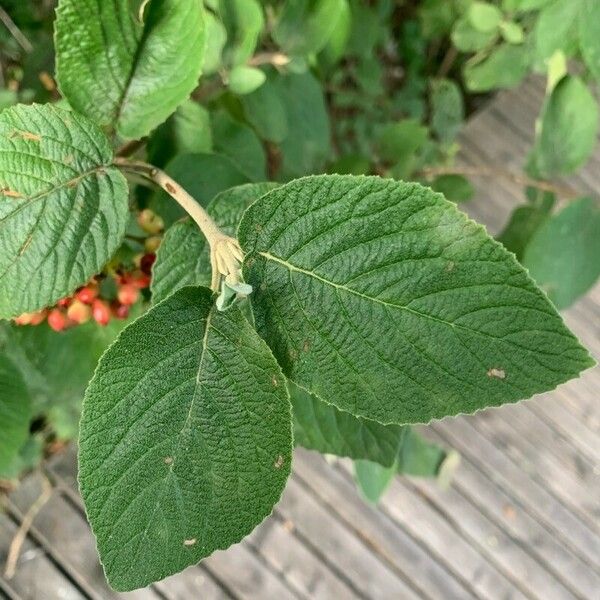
124 69
185 439
15 412
63 207
383 298
182 258
323 427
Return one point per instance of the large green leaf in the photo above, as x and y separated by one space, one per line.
15 412
323 427
63 207
563 255
124 73
182 258
556 28
505 67
568 129
589 35
185 441
385 299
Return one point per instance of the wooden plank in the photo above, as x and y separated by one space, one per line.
513 517
36 576
540 465
304 572
382 535
497 467
345 553
446 545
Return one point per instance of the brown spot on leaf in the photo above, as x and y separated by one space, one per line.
293 354
68 159
11 193
306 346
450 266
279 462
274 381
190 542
26 135
168 460
170 188
496 373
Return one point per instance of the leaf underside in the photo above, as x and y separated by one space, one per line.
383 298
122 73
63 207
185 439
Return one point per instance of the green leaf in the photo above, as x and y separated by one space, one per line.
563 254
238 142
123 73
187 131
372 479
216 38
447 110
305 26
589 35
468 39
245 80
400 141
203 176
455 188
244 22
383 298
556 28
63 207
568 129
57 367
186 439
15 413
182 258
512 32
524 222
419 457
322 427
484 17
505 67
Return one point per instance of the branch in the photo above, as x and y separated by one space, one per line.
21 535
15 31
493 172
226 255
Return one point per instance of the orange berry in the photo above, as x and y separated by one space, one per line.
87 294
24 319
140 280
57 319
38 317
79 312
101 312
128 294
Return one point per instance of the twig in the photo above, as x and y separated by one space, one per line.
447 62
15 31
277 59
225 253
17 542
131 147
493 172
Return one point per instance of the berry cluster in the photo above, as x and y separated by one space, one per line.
110 294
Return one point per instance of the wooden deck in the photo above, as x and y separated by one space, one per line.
521 520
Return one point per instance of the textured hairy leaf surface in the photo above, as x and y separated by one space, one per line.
385 299
124 73
323 427
185 439
63 207
15 412
182 258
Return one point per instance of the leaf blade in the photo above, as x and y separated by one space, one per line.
383 298
167 483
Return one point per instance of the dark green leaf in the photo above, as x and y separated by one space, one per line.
124 73
589 35
383 298
15 413
447 109
563 255
455 188
556 28
505 67
186 439
244 21
63 207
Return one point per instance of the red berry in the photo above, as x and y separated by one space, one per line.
140 280
128 294
119 311
64 302
87 294
57 319
101 312
79 312
146 263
